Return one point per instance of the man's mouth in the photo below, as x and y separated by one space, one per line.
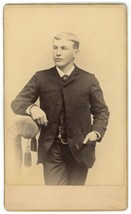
58 59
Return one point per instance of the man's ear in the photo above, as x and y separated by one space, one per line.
76 52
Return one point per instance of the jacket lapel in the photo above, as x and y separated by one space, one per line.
74 75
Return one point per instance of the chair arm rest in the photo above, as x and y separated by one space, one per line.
26 126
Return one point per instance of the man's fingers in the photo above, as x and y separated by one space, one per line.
86 139
39 115
38 120
46 123
92 136
45 119
42 120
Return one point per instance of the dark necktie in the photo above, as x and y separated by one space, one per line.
65 77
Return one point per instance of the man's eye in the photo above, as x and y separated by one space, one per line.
54 47
64 48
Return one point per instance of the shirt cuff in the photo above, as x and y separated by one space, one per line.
98 135
28 109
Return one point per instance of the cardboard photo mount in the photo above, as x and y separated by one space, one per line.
102 30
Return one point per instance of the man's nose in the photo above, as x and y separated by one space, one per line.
58 52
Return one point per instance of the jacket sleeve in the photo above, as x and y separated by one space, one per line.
27 96
98 108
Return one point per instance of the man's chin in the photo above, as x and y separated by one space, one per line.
59 65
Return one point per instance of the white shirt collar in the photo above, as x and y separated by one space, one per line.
61 73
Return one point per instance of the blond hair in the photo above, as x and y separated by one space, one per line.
69 36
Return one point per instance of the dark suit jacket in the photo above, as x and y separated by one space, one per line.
83 97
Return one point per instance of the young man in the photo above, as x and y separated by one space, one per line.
68 97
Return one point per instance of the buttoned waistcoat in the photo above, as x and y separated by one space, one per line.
83 97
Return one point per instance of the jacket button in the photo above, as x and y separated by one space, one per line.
58 105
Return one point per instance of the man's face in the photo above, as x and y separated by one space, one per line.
63 52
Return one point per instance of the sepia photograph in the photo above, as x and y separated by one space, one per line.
65 96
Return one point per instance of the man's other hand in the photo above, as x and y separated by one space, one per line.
91 136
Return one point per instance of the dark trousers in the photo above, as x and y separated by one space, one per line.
60 168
